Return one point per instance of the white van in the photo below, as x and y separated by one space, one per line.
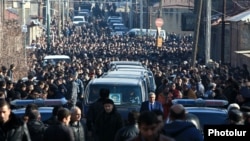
54 59
145 32
79 19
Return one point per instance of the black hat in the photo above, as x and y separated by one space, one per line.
108 101
235 115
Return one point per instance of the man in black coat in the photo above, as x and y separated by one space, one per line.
108 122
131 129
36 126
12 128
53 119
94 109
60 131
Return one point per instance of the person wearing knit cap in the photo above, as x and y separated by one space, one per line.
108 122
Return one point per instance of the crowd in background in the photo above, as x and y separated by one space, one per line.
91 48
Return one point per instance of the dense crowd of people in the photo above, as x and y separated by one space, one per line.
91 48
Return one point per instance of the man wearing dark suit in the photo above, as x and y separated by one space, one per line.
151 104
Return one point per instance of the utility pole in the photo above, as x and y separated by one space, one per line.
131 8
160 9
48 23
67 10
59 18
208 31
148 15
223 31
196 33
141 15
63 13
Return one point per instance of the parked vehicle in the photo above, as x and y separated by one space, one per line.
209 112
114 18
54 59
127 93
146 32
79 19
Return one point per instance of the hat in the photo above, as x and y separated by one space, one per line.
233 106
108 101
235 115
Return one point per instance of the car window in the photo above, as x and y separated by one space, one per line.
78 19
121 94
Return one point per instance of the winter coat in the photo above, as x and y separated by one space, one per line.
183 131
93 111
79 130
36 130
127 132
58 132
72 93
14 130
107 124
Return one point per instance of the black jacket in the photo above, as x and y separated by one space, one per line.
107 124
92 113
14 130
51 121
127 132
36 130
58 132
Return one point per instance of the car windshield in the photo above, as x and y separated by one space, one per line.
55 61
120 94
78 19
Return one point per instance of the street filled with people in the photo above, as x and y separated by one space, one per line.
91 49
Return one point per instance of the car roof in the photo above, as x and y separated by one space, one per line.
118 24
115 81
125 62
122 72
78 17
128 66
57 57
122 76
137 63
133 69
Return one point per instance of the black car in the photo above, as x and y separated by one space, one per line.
209 112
